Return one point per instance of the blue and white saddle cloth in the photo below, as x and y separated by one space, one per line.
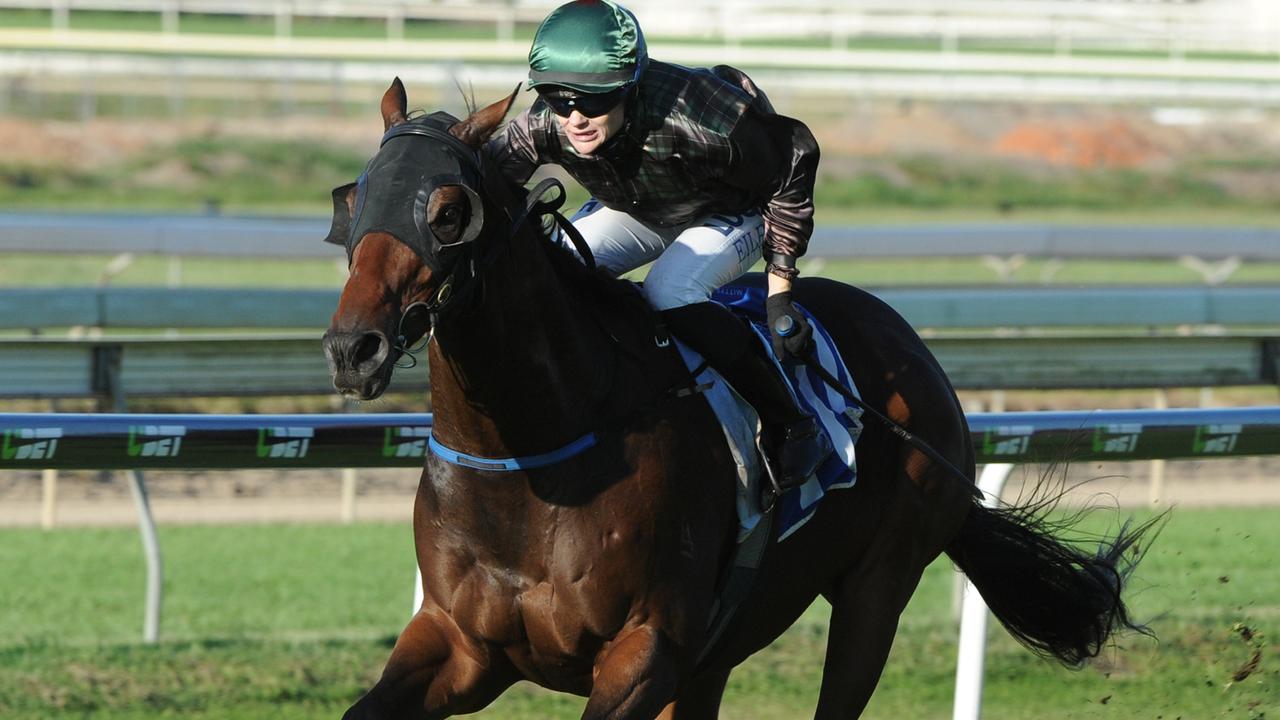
841 422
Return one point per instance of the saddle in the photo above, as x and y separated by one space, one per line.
760 521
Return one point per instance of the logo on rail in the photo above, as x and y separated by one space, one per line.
406 441
1007 440
30 443
159 441
284 442
1216 439
1117 438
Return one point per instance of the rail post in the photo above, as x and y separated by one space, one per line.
146 520
155 563
971 657
49 498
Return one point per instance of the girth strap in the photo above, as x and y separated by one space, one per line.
736 585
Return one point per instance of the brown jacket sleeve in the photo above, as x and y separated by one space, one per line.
514 151
776 157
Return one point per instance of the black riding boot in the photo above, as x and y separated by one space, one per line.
791 435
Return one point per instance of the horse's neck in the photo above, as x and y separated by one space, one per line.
523 371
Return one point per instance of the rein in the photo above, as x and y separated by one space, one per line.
536 207
906 435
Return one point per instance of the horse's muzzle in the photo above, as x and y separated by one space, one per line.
358 362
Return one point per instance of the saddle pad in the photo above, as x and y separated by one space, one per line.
841 422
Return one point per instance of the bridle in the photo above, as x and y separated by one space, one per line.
415 159
546 198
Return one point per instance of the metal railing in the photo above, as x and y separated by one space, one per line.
257 365
302 237
129 441
985 339
974 307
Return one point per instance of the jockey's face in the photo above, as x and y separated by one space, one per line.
588 133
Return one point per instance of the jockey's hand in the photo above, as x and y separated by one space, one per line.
792 334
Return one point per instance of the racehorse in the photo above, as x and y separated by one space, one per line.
595 572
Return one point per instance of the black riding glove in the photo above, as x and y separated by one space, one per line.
792 334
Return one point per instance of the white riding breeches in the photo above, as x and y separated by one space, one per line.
689 262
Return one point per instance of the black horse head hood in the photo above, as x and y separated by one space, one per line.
414 159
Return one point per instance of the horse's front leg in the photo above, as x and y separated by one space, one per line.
635 677
433 672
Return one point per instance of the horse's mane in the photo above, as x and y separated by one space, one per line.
594 286
581 280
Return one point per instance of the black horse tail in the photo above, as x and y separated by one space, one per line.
1055 598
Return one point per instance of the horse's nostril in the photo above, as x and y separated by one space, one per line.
369 349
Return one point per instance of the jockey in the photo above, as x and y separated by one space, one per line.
691 169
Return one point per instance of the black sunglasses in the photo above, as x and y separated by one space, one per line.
563 102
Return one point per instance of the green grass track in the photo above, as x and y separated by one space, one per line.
293 621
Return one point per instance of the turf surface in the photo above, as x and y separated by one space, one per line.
293 621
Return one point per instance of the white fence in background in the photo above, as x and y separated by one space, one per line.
1173 26
1194 52
184 70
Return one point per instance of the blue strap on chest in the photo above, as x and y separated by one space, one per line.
528 462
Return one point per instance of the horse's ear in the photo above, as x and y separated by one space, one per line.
344 197
395 105
482 123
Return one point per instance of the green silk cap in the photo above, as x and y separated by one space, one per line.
592 46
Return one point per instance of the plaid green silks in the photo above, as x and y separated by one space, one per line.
696 141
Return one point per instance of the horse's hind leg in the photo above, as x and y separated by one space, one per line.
699 698
921 517
864 619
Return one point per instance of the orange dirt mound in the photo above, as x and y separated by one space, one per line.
1111 144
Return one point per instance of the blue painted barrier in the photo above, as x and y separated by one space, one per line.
151 442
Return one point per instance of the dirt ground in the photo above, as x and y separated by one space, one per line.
854 133
104 499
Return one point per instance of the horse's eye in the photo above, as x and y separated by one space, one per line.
448 213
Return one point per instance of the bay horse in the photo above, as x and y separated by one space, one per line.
596 573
